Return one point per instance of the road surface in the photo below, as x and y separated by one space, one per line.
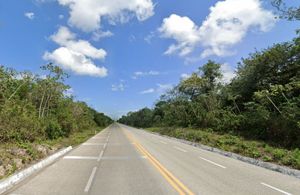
125 160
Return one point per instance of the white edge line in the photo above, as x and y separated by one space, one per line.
212 162
180 149
89 183
163 142
274 188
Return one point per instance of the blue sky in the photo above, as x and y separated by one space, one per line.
119 53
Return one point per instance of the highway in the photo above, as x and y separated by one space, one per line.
125 160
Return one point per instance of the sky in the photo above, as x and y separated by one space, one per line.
121 55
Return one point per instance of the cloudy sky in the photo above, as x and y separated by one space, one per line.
123 54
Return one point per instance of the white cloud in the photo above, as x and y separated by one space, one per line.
97 35
139 74
149 37
225 26
185 76
44 1
118 87
228 73
161 88
29 15
151 90
87 14
183 30
61 16
76 55
68 39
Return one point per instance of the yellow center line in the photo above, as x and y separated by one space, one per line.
172 180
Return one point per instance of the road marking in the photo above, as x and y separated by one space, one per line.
93 144
89 183
173 181
81 157
180 149
212 162
100 155
104 146
163 142
274 188
122 157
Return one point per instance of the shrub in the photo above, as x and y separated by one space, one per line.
278 154
296 158
53 130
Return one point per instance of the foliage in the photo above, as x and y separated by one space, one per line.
290 13
34 107
142 118
234 143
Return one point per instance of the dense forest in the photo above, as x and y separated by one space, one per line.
34 107
261 102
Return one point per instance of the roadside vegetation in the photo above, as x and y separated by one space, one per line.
232 143
38 117
256 114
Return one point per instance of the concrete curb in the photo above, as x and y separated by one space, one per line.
266 165
9 182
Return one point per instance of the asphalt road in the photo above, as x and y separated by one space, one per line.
125 160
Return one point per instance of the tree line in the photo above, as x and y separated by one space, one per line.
36 107
261 102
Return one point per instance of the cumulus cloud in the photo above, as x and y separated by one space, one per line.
185 76
29 15
228 73
161 88
87 14
139 74
183 30
97 35
76 55
225 26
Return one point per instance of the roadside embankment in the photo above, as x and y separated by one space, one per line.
17 156
259 150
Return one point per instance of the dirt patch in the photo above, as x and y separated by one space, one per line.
15 157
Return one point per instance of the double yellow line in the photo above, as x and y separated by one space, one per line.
172 180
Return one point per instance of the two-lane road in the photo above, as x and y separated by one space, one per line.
125 160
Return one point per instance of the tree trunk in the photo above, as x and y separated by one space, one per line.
41 104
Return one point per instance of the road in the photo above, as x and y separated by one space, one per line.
125 160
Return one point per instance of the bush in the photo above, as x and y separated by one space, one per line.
18 122
278 154
296 158
53 130
228 121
